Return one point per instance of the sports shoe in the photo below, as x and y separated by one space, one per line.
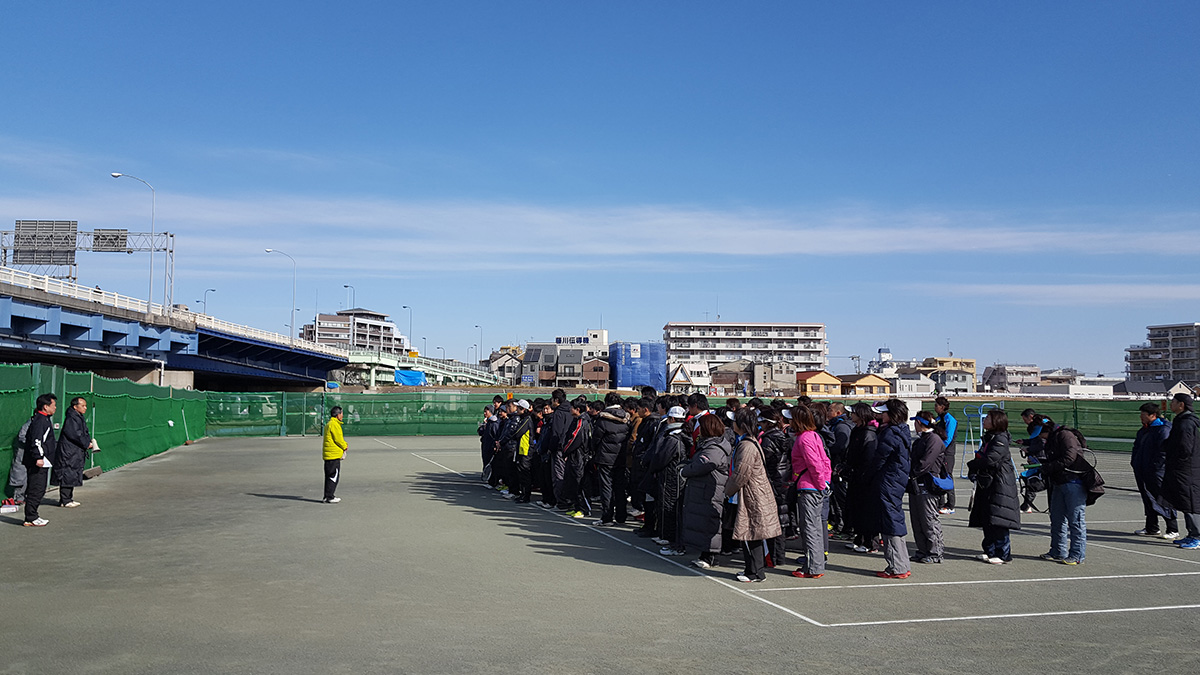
505 493
1190 544
702 564
984 557
891 575
851 546
1148 533
70 505
662 542
545 505
742 577
1170 535
931 560
333 500
945 511
998 561
578 514
40 522
667 550
634 513
1027 509
1181 542
1077 561
603 523
1051 557
860 549
799 574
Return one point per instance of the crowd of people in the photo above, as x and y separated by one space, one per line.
745 478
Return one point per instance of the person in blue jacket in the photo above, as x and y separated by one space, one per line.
1149 460
941 407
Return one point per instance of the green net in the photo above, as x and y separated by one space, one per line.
1108 425
129 421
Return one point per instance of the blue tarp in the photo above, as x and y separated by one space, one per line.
410 378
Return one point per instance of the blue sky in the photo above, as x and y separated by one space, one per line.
1020 179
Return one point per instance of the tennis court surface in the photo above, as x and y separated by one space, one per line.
219 557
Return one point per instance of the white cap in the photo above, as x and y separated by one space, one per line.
787 413
880 407
677 412
524 405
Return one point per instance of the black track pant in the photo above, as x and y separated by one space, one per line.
333 473
35 489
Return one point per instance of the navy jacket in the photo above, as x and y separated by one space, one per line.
1149 458
890 467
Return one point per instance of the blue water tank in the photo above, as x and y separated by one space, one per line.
637 364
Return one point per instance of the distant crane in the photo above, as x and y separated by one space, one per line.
857 362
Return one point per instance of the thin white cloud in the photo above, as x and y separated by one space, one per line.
1075 295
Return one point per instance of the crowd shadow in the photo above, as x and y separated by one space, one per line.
544 531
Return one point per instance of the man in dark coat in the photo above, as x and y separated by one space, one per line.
889 471
1181 480
704 492
611 431
74 443
554 440
1149 463
40 455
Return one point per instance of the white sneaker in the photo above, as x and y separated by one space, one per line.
71 504
1146 533
40 522
702 564
667 550
333 500
1170 535
661 542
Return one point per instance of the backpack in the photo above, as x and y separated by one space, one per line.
1092 481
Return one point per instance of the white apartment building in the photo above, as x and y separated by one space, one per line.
1011 377
802 344
1171 353
356 329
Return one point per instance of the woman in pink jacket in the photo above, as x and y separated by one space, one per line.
811 473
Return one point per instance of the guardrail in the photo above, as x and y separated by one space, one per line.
446 366
67 289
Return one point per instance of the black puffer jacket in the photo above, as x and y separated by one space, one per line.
777 460
1181 480
995 501
73 444
704 494
928 460
888 471
1065 460
863 440
610 431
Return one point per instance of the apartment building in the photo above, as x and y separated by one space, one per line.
1170 353
1010 377
356 328
802 344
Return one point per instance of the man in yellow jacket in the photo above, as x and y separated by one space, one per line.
333 449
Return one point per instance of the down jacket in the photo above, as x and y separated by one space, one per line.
757 514
995 501
73 443
609 433
888 472
704 494
1181 481
928 460
863 440
778 459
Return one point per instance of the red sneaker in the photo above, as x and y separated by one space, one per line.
801 575
888 575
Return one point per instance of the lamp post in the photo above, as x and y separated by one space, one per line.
153 199
469 350
410 334
292 320
205 300
353 302
443 352
424 345
479 353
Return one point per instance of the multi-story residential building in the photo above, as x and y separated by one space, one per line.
912 384
596 373
885 366
539 364
1010 377
1170 353
594 343
356 329
570 368
802 344
951 374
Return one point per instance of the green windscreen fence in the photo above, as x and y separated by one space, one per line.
129 421
404 414
1108 425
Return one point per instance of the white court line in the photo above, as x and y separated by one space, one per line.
1011 616
386 444
980 581
436 464
726 584
1123 550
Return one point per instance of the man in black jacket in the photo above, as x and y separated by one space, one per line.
554 440
1149 463
1181 481
611 457
575 452
41 452
74 443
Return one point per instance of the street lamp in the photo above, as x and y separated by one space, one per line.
353 302
153 199
410 334
205 300
293 305
443 352
480 355
424 346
